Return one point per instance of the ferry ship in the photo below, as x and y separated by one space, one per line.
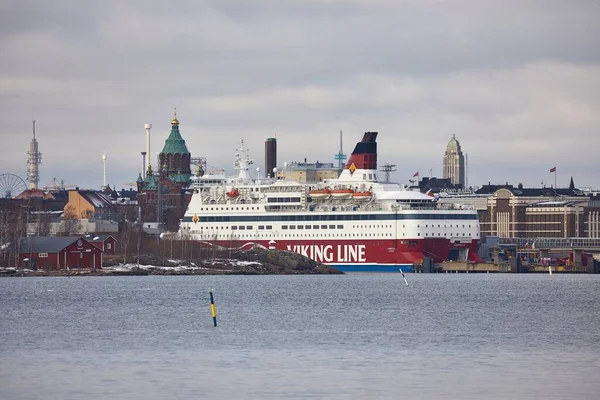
354 223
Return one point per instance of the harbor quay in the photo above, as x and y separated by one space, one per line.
513 267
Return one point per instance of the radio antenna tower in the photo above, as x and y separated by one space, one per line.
387 168
340 156
34 159
104 170
466 171
147 127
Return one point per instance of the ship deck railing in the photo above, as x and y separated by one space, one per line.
554 243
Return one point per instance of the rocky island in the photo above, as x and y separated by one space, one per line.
256 261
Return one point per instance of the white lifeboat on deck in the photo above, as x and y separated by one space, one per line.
365 195
342 193
319 193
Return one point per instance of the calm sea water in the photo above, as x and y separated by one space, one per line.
447 336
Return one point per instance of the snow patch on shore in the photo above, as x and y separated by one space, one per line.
129 267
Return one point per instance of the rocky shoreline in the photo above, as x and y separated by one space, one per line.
240 262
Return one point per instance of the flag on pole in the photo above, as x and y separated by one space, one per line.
553 169
416 174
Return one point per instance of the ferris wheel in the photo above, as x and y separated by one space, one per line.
11 185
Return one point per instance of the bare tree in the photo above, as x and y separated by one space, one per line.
138 228
9 220
183 240
230 247
214 246
128 212
87 214
42 222
17 228
203 246
44 225
70 224
125 239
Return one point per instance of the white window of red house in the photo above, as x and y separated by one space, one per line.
43 255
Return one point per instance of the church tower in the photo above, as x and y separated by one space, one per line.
162 195
175 156
454 163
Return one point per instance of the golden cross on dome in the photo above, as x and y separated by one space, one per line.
175 121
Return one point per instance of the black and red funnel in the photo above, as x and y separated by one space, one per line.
364 155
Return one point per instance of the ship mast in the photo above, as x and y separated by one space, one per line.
242 163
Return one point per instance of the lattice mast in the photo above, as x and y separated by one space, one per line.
387 169
104 170
148 127
34 159
340 157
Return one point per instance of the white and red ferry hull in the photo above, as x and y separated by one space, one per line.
373 255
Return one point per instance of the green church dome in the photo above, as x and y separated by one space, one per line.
175 143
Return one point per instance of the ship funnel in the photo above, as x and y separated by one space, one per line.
364 155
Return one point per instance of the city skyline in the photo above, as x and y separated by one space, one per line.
56 182
519 92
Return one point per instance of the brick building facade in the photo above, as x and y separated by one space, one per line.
540 212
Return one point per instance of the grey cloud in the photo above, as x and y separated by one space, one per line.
518 82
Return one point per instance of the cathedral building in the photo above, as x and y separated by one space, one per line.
454 163
164 193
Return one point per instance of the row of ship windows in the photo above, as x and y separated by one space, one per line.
262 227
227 208
283 199
286 227
439 226
319 217
272 235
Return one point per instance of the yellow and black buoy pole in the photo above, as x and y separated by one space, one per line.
212 307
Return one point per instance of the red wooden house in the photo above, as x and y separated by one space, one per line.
46 252
106 243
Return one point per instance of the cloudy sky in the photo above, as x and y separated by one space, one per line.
517 82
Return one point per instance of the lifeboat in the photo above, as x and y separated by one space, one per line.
342 193
319 193
233 193
366 195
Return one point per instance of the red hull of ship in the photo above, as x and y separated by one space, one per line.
370 253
